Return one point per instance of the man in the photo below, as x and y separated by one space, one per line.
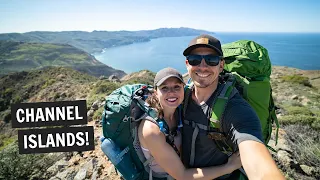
204 61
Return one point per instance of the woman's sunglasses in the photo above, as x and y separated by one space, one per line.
211 60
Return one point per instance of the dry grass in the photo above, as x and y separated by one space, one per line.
305 144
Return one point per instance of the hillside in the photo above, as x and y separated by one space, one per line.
296 93
21 56
97 40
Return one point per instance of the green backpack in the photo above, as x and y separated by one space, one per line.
250 65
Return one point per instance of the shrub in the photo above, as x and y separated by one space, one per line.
26 166
104 87
297 119
5 141
298 79
48 83
298 110
98 113
5 115
316 124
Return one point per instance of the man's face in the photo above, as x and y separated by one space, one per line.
203 75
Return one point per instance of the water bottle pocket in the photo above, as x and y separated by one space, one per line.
121 159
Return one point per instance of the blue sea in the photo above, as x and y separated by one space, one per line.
298 50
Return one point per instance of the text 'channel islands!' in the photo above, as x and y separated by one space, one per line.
44 114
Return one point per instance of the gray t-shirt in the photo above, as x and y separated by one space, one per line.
239 123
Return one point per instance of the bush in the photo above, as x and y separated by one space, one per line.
98 113
104 87
27 166
297 119
48 83
316 124
5 141
298 79
298 110
5 115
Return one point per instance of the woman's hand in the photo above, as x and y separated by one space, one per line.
234 161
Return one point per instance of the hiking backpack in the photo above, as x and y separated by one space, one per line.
250 65
124 109
248 68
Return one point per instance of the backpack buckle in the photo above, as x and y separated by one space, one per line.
216 136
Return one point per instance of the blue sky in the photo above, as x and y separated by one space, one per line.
113 15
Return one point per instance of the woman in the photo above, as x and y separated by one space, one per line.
168 95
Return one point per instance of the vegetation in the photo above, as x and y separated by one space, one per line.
20 56
298 113
297 79
16 166
305 145
19 87
143 77
100 90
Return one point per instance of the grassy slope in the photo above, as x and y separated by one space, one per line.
19 56
296 93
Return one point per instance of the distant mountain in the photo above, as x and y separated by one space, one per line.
21 56
97 40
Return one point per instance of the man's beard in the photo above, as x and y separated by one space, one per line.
199 84
203 83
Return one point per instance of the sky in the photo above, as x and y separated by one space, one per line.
113 15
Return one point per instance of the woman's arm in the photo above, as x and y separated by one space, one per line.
168 159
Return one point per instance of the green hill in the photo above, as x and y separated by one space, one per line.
97 40
21 56
296 93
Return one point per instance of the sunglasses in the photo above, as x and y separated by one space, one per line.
211 60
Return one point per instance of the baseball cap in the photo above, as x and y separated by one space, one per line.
165 74
204 40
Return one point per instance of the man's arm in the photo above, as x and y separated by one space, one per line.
244 129
257 161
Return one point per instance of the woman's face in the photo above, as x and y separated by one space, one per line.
170 93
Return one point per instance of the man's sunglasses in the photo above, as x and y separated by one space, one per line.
211 60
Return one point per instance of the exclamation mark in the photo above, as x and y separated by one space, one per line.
87 138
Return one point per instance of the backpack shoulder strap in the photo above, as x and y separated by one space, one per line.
218 107
187 93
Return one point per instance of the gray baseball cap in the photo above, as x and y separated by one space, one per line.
165 74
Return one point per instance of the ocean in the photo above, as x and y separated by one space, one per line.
298 50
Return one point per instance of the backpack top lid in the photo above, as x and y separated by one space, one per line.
247 58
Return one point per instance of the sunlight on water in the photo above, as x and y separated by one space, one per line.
293 50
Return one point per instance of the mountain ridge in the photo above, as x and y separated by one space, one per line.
95 41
